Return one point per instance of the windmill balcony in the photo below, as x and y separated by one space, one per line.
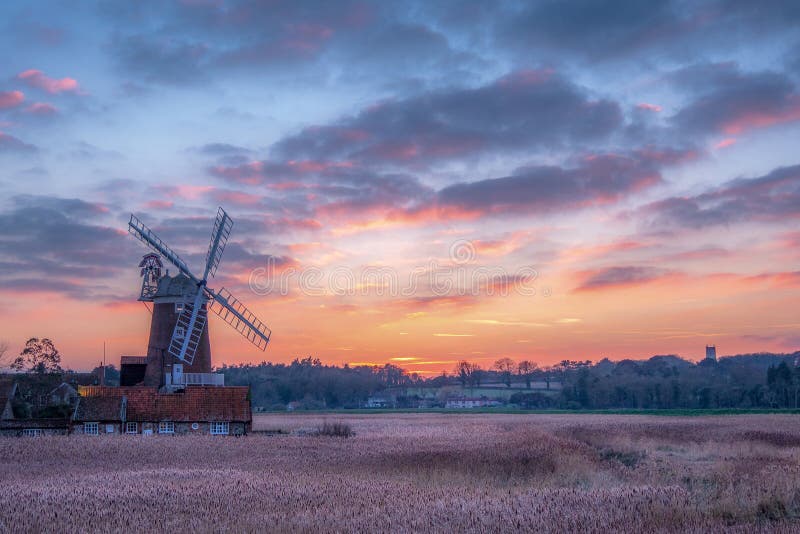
202 379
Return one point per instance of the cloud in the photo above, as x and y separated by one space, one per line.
526 110
64 244
728 101
609 30
596 180
41 109
772 197
10 144
619 276
10 99
36 78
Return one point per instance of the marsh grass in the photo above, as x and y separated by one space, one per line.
411 472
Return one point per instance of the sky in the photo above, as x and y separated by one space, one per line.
410 182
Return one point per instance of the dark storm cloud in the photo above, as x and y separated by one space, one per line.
64 242
772 197
725 99
523 111
612 277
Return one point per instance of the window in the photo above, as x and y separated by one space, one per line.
91 429
220 429
131 428
166 427
180 332
32 432
195 426
109 429
178 307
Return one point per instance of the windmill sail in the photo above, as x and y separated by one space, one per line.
219 237
144 234
240 318
189 328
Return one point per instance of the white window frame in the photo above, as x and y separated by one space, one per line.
91 428
32 432
109 428
220 428
179 308
131 427
166 427
180 332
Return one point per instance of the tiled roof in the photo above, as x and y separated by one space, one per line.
99 409
195 403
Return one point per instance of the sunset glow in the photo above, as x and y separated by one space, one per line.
413 186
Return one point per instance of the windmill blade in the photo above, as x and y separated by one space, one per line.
144 234
219 237
189 328
240 318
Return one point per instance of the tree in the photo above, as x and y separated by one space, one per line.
5 357
525 368
505 366
40 356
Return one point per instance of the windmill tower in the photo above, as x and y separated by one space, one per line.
179 350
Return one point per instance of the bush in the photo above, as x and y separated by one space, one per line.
338 430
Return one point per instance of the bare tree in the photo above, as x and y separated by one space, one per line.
506 367
525 368
5 356
40 356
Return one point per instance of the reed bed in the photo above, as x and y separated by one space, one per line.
421 473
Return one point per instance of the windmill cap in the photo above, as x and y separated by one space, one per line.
175 286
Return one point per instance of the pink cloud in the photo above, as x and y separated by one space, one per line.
41 108
36 78
725 143
159 204
751 119
655 108
10 99
649 107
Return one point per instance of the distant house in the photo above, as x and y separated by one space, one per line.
25 425
471 402
193 410
377 402
63 394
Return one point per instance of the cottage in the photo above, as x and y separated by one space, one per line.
99 415
194 410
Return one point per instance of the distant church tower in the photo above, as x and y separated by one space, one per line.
711 352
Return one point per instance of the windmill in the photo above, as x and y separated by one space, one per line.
191 298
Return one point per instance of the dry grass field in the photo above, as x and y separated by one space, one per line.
414 472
